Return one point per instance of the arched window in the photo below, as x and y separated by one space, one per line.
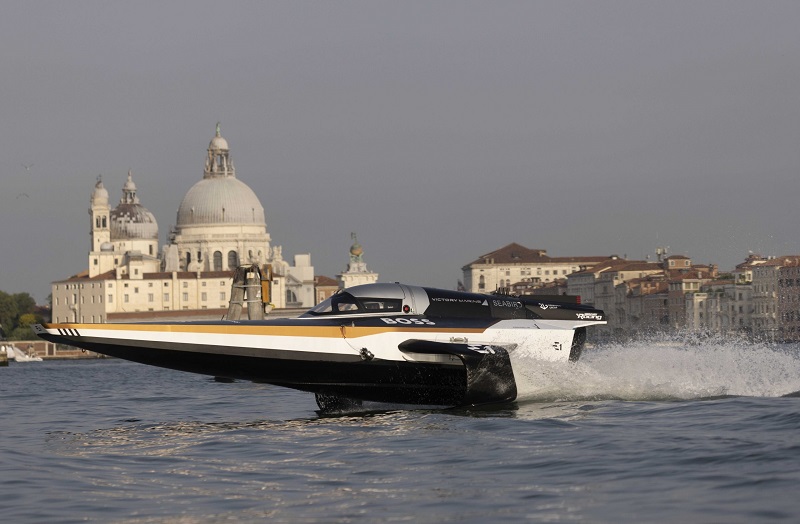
217 260
233 260
481 283
188 259
291 298
104 222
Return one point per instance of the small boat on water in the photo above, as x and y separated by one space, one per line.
392 343
16 354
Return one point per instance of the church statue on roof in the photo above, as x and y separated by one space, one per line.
357 272
356 251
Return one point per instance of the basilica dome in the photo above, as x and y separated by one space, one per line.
130 219
220 198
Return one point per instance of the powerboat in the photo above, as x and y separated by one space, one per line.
388 343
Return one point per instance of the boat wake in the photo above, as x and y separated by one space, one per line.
665 371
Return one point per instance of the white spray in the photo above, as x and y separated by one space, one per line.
664 371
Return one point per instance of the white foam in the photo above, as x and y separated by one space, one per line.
664 371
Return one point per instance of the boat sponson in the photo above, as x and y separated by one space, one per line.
490 377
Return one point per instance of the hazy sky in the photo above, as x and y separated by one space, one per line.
438 131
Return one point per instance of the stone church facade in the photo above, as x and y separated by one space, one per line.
220 225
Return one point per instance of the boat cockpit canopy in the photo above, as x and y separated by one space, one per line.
343 303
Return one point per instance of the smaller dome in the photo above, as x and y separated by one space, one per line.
100 193
133 221
130 219
218 143
129 185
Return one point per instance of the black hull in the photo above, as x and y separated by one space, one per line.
369 380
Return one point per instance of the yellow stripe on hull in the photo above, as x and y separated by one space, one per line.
266 330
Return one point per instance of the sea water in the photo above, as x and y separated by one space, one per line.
640 432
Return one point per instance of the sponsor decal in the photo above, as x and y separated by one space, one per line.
458 300
557 346
548 306
507 303
482 349
589 316
407 321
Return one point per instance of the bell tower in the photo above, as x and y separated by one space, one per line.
99 214
99 211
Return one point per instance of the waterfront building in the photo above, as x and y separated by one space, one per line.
789 300
514 264
776 298
693 298
582 283
654 308
743 272
556 287
736 316
725 306
677 263
220 225
684 277
356 272
704 308
721 306
644 304
767 290
679 287
635 295
325 287
611 290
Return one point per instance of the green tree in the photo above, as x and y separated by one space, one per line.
25 303
24 329
8 312
23 333
28 319
12 308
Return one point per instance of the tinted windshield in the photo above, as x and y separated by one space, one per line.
345 303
